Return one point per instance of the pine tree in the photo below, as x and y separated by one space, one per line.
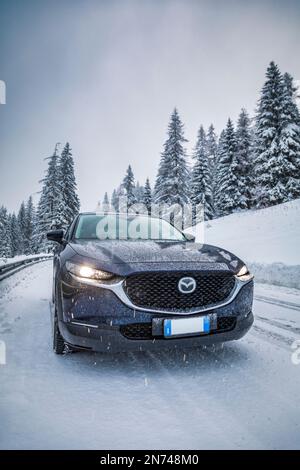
115 200
211 145
118 199
271 166
289 144
128 185
105 204
244 157
217 172
69 201
147 196
138 192
16 238
5 237
228 196
201 192
29 227
50 204
22 226
212 154
106 199
292 91
172 182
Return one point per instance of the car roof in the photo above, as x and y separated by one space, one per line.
115 213
122 214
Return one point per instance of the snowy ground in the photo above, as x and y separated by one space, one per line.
244 395
5 261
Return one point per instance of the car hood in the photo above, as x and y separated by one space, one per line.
125 257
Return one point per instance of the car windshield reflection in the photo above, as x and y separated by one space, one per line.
125 227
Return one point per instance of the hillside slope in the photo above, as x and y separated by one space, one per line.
261 237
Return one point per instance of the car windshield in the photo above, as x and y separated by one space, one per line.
125 227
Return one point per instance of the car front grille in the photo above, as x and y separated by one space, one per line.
144 330
160 291
137 331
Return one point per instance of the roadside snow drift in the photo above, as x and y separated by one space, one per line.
262 238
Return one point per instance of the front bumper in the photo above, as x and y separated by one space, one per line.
95 319
110 339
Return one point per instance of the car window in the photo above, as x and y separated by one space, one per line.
122 227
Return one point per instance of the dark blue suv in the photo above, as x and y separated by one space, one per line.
130 282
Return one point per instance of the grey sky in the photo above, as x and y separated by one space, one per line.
105 75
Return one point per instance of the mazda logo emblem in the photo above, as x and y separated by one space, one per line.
187 285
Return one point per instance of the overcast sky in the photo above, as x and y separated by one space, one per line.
105 76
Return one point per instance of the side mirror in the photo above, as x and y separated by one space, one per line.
56 236
189 237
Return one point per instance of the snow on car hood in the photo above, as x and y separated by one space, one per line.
153 255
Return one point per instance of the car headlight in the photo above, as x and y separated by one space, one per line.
86 272
244 274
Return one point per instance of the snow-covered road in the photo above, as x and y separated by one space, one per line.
243 395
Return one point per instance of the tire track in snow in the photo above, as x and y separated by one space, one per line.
273 337
280 303
278 324
274 330
195 402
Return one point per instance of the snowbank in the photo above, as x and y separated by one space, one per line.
278 274
268 239
21 258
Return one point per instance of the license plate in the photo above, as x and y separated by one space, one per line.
186 326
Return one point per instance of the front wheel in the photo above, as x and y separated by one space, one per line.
58 341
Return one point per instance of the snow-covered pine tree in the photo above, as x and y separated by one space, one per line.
201 190
244 160
147 196
69 201
49 206
105 203
228 194
212 149
5 236
129 186
211 145
292 90
15 235
271 165
29 227
106 199
118 199
138 192
173 178
217 171
289 144
22 226
115 200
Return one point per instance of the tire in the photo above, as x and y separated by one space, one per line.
58 341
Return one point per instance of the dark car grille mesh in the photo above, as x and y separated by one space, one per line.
144 330
137 331
160 290
225 324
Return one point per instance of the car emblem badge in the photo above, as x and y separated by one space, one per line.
187 285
